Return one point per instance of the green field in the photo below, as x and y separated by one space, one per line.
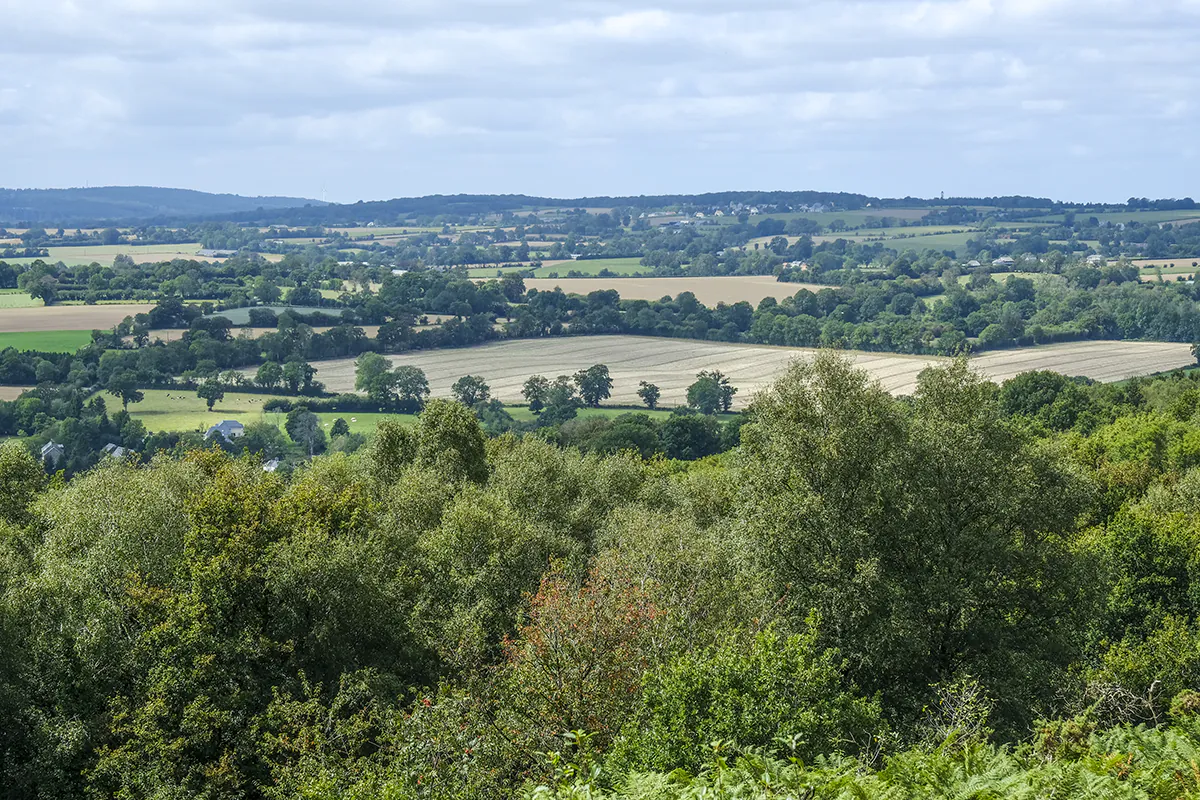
1145 217
15 298
938 242
182 410
617 266
46 341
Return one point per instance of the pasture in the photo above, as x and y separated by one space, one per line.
708 290
46 341
181 410
67 318
672 364
15 298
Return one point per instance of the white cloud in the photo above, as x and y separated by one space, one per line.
600 96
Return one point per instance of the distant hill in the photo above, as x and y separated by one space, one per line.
77 207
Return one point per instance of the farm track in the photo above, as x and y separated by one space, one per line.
672 364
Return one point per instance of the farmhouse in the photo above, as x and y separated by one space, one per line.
113 450
52 453
1004 261
228 429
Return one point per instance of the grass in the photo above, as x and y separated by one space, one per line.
939 242
181 410
46 341
15 298
1145 217
618 266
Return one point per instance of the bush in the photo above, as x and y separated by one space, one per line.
759 693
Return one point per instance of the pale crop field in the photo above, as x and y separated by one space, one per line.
708 290
67 318
1100 360
672 364
12 392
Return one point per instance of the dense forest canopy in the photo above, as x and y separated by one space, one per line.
977 586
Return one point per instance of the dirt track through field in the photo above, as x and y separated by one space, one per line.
67 318
672 364
709 291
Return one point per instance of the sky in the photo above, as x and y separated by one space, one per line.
1085 100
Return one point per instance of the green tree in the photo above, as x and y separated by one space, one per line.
470 389
269 375
705 395
562 403
649 394
535 391
595 384
412 387
211 392
340 427
373 375
124 384
304 427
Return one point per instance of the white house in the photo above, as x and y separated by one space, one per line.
1094 260
1004 261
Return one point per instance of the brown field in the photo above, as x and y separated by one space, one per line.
12 392
709 291
672 364
67 318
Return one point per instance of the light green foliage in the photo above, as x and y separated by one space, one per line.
753 690
21 477
450 441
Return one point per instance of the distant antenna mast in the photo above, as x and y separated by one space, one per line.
322 193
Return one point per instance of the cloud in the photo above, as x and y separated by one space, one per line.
377 99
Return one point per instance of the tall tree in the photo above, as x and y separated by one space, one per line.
124 384
470 390
535 391
212 391
649 394
595 384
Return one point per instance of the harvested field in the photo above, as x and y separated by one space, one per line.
12 392
709 290
67 318
672 364
1101 360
